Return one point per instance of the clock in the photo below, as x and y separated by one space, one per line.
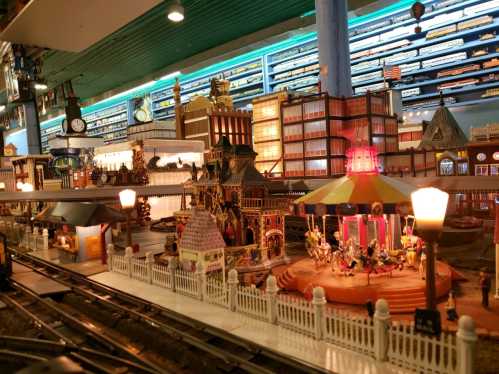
78 125
141 115
65 126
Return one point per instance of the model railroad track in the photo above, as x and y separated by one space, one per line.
86 342
31 350
217 350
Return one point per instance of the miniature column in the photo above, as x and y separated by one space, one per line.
201 279
334 49
232 283
45 235
381 326
271 290
149 263
110 254
128 260
319 303
466 339
172 267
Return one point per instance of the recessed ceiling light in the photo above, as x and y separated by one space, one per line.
40 86
175 12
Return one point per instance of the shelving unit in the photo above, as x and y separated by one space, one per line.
110 123
246 81
387 38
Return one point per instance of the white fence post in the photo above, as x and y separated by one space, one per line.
149 263
232 282
201 279
466 339
110 254
381 326
15 233
271 291
45 235
319 303
172 267
128 260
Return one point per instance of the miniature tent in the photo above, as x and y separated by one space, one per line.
202 242
443 132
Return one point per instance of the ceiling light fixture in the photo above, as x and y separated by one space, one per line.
175 12
2 108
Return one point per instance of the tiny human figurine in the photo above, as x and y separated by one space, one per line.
422 265
485 285
450 307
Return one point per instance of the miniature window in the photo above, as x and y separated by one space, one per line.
446 167
481 169
268 221
278 220
494 169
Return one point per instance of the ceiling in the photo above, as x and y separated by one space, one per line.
151 43
71 25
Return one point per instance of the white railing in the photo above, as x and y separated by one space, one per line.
421 353
353 332
139 269
186 283
376 337
296 314
251 301
216 292
120 264
161 276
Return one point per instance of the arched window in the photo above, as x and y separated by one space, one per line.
447 167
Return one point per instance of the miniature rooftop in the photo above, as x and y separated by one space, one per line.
201 233
80 214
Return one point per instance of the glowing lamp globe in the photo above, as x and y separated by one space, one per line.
127 198
19 185
429 205
27 187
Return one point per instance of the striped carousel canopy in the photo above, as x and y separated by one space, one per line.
361 190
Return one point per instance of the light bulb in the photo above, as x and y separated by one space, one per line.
176 12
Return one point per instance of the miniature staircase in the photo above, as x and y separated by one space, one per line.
404 301
284 280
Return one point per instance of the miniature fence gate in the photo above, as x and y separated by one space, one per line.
377 337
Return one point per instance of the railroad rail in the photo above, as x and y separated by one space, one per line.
224 351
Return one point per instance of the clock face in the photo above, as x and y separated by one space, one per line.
65 126
141 115
78 125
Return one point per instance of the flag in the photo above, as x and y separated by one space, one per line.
392 72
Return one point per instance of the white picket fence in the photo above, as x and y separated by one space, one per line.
421 353
139 269
216 292
349 331
161 276
296 314
376 337
186 283
119 264
252 301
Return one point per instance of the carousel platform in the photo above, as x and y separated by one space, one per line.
403 289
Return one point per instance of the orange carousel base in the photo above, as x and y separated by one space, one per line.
404 290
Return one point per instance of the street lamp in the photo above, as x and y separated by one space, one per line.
27 187
127 200
429 205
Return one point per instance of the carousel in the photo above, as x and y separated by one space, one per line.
372 252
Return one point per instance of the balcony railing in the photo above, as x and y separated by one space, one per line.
265 203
